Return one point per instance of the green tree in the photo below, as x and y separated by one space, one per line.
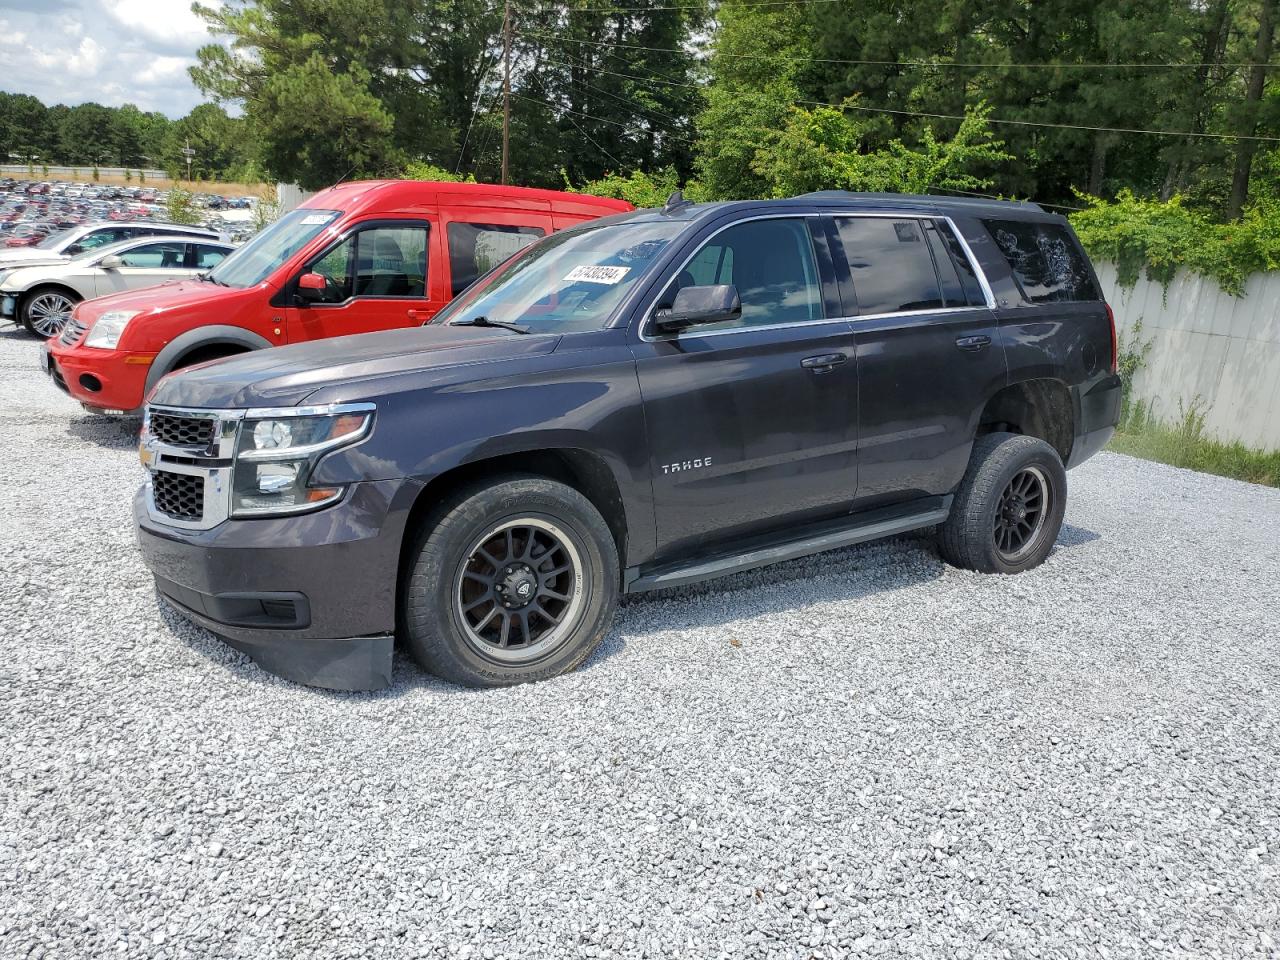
319 127
820 149
180 208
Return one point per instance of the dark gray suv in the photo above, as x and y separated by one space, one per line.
640 402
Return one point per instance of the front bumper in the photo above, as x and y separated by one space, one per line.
101 380
311 598
9 307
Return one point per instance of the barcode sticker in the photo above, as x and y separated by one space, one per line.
315 218
606 275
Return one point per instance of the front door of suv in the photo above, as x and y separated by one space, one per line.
748 431
929 353
377 277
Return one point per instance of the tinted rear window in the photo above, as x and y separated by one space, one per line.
890 263
1045 259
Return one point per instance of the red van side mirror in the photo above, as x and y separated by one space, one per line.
311 286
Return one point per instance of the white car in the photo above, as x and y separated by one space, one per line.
42 297
62 246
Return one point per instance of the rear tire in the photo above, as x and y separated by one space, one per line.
1009 507
516 580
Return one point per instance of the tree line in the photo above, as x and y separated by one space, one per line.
1052 100
93 135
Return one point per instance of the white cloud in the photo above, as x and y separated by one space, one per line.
107 51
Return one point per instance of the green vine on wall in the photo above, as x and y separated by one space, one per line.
1160 238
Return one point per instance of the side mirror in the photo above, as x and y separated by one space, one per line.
311 287
695 306
111 262
75 248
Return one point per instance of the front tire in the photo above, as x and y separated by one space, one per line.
1009 507
514 581
45 311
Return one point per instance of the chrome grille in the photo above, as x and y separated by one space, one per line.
182 431
178 495
72 332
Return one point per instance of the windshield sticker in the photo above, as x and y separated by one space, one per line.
317 218
605 275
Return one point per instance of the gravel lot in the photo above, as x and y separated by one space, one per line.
863 753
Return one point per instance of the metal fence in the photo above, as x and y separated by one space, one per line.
78 173
1207 348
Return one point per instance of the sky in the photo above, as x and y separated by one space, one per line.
108 51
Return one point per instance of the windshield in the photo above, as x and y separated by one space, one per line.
55 240
260 257
567 282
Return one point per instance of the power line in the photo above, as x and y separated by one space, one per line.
595 142
588 116
919 63
1053 126
952 116
703 6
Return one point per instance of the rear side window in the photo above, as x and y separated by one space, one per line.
890 263
1045 259
476 248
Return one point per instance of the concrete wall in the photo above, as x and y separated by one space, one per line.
57 172
1207 344
289 195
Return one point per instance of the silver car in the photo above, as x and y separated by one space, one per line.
41 297
66 244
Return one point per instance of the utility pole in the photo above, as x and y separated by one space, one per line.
188 153
506 90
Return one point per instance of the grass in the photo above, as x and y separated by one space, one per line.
1183 444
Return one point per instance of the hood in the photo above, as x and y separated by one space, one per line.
166 296
12 258
286 376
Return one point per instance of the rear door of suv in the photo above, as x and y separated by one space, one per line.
928 351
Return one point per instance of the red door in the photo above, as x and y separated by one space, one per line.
378 276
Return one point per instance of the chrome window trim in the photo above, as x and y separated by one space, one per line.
647 316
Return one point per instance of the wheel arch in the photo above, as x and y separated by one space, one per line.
218 335
1039 408
583 470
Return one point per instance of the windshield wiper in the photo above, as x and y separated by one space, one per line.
483 321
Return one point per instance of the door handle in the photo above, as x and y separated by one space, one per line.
973 344
419 314
823 362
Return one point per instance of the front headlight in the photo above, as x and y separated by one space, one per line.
105 333
277 453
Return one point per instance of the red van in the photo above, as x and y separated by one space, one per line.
358 257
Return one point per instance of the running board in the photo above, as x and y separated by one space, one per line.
827 535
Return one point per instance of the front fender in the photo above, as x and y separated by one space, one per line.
204 336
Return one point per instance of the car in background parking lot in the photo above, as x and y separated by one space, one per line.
41 297
77 239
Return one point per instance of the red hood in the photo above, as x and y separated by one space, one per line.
165 298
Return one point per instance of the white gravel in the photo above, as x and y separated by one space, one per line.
862 753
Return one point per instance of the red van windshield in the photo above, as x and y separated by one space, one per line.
262 255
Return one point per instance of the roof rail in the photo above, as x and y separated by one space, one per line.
906 198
